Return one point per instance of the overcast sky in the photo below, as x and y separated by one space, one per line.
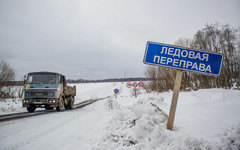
99 39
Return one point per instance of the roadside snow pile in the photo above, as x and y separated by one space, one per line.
111 105
139 126
229 140
14 104
143 126
11 105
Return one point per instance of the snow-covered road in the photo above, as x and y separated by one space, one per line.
205 119
69 129
64 130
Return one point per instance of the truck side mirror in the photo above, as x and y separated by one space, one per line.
25 79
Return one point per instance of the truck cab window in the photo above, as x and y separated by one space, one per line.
41 78
29 80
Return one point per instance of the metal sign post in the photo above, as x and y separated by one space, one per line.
116 91
135 84
179 58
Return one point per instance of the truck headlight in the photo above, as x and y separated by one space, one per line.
25 101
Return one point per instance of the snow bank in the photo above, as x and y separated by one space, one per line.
11 106
142 125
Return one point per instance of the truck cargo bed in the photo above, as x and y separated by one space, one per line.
68 90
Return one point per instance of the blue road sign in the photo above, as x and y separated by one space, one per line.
116 91
183 59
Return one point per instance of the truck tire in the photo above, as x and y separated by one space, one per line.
60 106
66 106
71 103
31 109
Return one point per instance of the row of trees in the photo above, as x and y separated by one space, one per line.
107 80
214 38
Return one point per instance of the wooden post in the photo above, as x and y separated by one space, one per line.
115 96
173 107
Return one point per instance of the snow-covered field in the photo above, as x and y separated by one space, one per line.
205 119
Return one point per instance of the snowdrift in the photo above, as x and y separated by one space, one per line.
143 125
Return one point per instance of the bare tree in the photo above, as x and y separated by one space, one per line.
214 38
151 72
7 74
161 78
221 39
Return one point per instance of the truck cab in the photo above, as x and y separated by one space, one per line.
47 90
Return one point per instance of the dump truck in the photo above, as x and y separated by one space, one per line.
47 90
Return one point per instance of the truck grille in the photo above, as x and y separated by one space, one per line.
39 93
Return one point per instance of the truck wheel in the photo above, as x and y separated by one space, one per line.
60 106
71 103
67 106
31 109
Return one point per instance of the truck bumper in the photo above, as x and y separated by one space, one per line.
51 102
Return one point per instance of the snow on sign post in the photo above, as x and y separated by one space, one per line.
181 59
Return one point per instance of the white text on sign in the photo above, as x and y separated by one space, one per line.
182 58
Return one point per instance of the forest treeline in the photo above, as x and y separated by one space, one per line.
107 80
214 38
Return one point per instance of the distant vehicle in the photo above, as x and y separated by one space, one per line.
47 90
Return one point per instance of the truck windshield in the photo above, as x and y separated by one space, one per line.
41 78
